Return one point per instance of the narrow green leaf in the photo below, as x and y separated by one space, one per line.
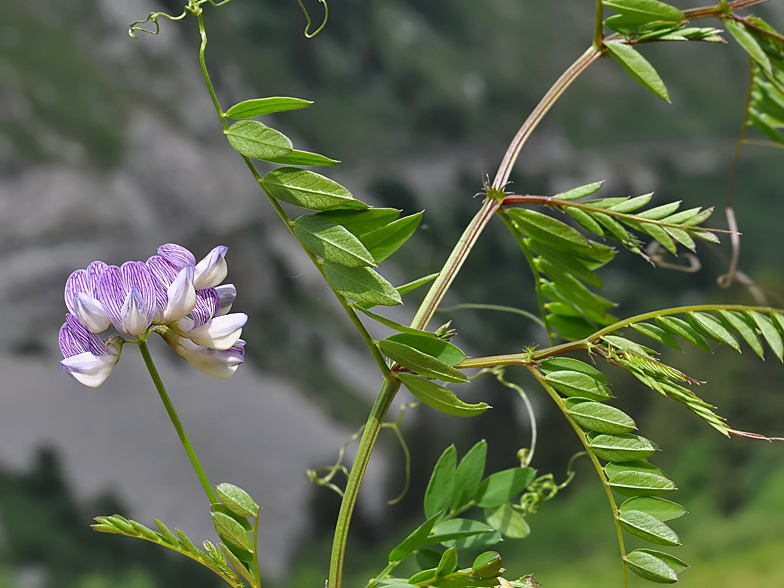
442 483
406 288
740 323
331 241
442 350
236 499
632 204
656 334
414 540
649 9
613 226
769 332
230 531
660 211
705 235
672 561
681 217
361 222
711 327
419 362
297 157
698 218
361 284
647 527
459 529
448 563
503 486
439 397
580 192
638 67
600 417
746 40
427 559
308 189
567 262
651 568
557 364
397 326
187 544
384 241
585 220
571 288
638 478
166 532
778 321
682 237
625 344
664 510
257 141
682 329
259 106
507 521
547 229
621 448
469 475
424 577
578 384
243 522
660 235
765 125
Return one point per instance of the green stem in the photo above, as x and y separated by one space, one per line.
256 549
177 424
599 469
598 31
534 270
366 443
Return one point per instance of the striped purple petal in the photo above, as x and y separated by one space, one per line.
177 255
164 274
75 339
94 271
207 306
127 294
226 293
76 282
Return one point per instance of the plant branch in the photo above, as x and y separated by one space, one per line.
598 31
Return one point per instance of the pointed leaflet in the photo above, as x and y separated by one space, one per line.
650 10
414 540
442 350
632 204
651 568
600 417
647 527
657 334
257 141
664 510
711 327
460 529
581 192
578 384
487 565
749 43
585 220
439 397
638 67
503 486
556 364
541 227
740 323
507 521
638 478
566 261
237 500
410 286
385 241
448 563
259 106
420 363
672 561
442 483
660 211
331 241
620 448
361 284
361 222
230 531
297 157
682 329
469 475
769 332
308 189
398 327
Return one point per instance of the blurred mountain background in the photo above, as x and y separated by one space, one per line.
109 147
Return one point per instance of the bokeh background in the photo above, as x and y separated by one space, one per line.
109 147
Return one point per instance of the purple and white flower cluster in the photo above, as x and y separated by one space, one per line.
169 294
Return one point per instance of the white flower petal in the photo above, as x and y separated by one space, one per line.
221 332
215 363
135 319
88 369
181 296
90 313
211 270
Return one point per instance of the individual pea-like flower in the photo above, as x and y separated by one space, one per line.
169 294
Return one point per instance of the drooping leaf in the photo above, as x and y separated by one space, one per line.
414 540
769 332
257 141
308 189
682 329
420 363
746 40
747 330
711 327
442 483
297 157
557 364
361 222
622 447
578 384
600 417
568 262
580 192
585 220
331 241
657 334
384 241
547 229
672 561
638 67
647 527
469 475
442 350
236 499
627 345
260 106
651 568
361 284
439 397
660 235
503 486
507 521
664 510
230 531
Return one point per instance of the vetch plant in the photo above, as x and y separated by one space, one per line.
564 239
